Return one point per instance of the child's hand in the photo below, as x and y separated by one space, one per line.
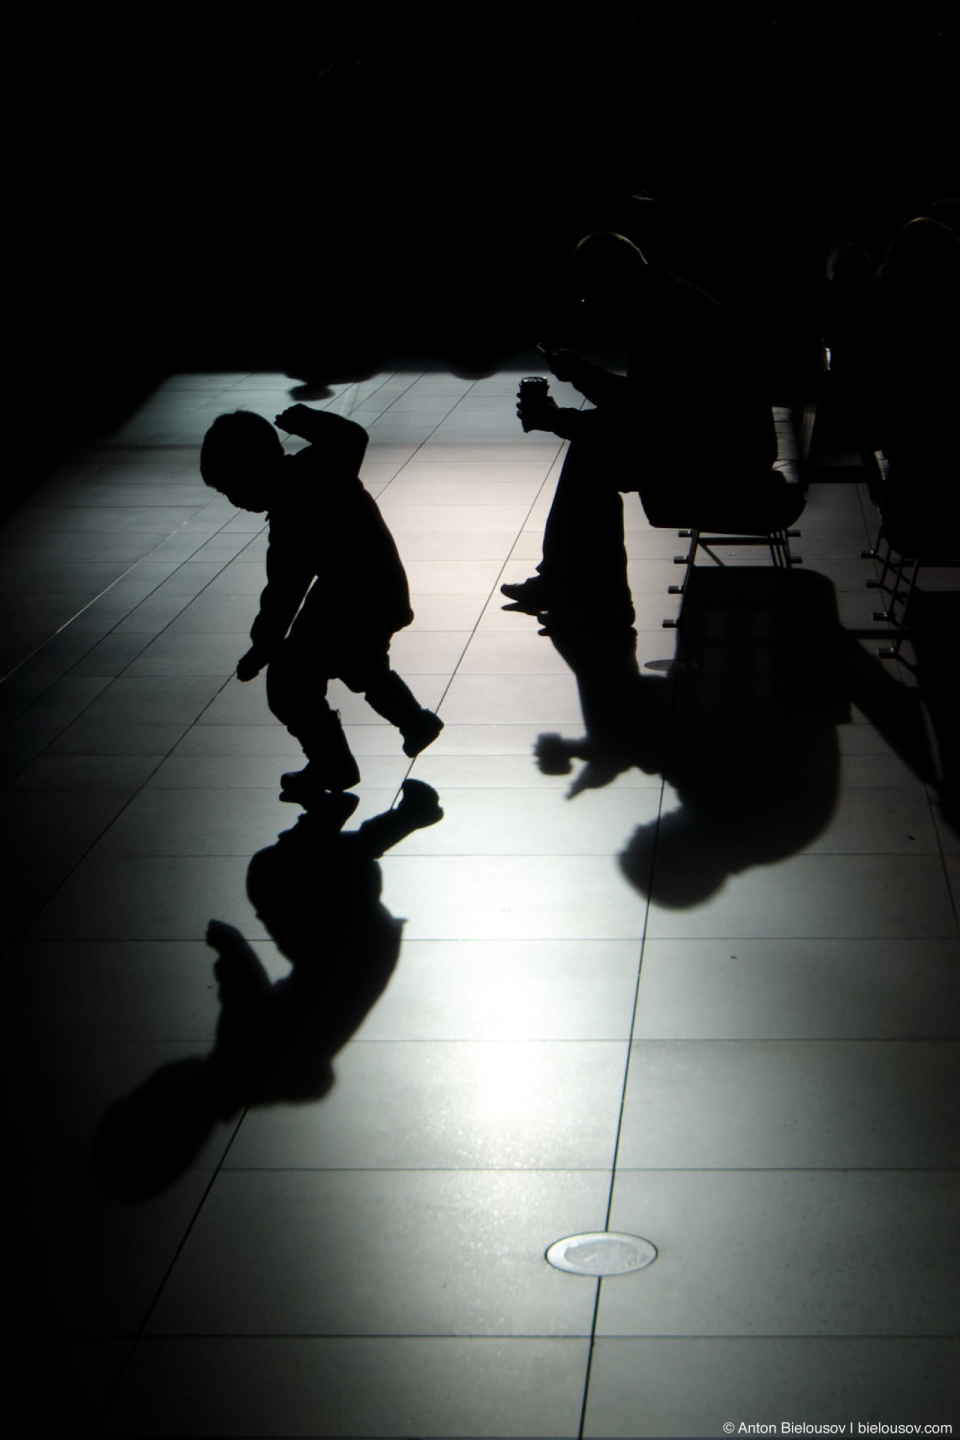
293 420
250 664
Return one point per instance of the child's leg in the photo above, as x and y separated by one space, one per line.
391 697
297 695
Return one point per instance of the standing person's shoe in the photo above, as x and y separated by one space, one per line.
421 732
533 595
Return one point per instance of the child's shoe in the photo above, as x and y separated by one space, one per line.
421 803
333 772
421 732
313 786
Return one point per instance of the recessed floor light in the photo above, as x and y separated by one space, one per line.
601 1252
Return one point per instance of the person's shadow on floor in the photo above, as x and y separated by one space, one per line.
317 891
743 728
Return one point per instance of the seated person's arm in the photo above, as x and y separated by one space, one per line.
576 425
599 386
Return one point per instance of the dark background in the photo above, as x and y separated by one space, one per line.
312 194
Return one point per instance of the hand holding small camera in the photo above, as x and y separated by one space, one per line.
563 363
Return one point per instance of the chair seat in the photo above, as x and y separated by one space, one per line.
759 506
733 503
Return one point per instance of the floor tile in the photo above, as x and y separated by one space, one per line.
111 655
454 544
429 652
228 740
436 1104
499 821
676 1387
507 990
86 1263
188 654
799 989
383 1252
350 1386
87 737
191 821
88 772
87 1371
153 897
784 1253
74 1081
451 576
50 823
505 653
876 821
402 514
762 1104
122 990
834 896
557 897
166 700
512 700
445 611
66 699
503 770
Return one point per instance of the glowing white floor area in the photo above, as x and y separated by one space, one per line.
756 1069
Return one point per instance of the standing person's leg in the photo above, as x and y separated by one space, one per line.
584 561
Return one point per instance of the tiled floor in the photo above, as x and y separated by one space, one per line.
711 999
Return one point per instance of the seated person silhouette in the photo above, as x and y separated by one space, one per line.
912 378
688 427
336 589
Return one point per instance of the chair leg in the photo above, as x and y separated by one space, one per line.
890 652
689 561
899 569
779 545
886 561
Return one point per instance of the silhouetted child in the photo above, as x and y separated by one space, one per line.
336 588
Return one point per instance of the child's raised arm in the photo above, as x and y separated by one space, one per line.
340 444
301 420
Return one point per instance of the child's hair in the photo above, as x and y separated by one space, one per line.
237 449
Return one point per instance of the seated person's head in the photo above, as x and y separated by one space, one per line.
240 457
923 258
849 264
607 271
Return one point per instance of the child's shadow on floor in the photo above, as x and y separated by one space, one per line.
317 891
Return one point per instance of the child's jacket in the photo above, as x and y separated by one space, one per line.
330 551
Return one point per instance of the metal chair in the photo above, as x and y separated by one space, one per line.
905 544
794 430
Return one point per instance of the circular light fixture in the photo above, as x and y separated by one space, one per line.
601 1252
